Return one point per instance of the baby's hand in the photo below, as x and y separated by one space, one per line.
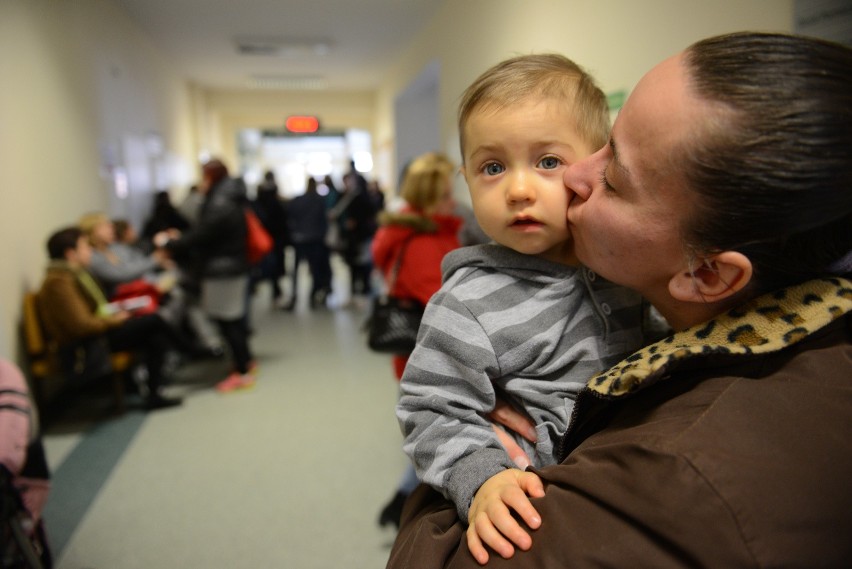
490 518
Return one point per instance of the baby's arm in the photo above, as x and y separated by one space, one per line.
444 395
491 520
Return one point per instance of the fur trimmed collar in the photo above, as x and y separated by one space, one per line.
765 324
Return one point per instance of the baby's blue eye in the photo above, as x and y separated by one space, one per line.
550 162
493 168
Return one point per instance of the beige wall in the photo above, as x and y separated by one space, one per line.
617 40
81 87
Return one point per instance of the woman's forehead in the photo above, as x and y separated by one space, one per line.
654 122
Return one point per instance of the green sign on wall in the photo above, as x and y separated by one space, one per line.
616 99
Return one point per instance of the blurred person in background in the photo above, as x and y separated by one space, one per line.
272 212
217 242
76 314
417 236
308 225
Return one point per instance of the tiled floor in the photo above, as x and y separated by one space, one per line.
292 473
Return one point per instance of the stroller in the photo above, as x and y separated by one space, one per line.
24 481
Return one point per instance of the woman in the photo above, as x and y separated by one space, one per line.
218 241
114 263
417 237
724 198
85 328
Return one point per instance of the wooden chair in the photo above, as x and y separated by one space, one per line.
44 362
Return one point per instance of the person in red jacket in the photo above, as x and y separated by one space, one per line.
418 235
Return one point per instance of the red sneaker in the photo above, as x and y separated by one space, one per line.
235 381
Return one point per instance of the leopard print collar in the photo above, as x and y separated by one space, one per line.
765 324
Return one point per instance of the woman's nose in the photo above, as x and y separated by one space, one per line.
579 177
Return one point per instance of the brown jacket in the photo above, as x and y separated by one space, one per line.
727 445
66 309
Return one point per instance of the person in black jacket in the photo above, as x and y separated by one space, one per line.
271 211
164 216
359 224
308 225
218 243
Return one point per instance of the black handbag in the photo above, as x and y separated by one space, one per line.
394 322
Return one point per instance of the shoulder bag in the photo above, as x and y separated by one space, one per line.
394 322
258 241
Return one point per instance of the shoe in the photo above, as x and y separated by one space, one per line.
392 512
318 298
157 401
234 382
289 306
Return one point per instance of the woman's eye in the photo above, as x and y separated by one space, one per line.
550 162
605 182
493 168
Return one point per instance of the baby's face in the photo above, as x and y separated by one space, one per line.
514 161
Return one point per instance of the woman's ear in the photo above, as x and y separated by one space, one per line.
718 277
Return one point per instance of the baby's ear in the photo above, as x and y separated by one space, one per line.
718 277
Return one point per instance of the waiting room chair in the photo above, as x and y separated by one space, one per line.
44 365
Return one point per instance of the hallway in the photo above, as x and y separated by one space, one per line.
290 474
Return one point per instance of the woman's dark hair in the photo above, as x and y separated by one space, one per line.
773 166
215 170
62 241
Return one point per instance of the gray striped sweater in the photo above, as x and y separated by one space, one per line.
511 324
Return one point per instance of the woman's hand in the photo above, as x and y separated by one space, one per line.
491 520
506 415
513 449
160 239
119 317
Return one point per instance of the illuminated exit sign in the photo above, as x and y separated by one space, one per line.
301 124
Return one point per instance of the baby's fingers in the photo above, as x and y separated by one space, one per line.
509 526
474 544
490 535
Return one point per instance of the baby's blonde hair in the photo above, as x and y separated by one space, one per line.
547 75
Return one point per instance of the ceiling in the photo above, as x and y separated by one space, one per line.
290 44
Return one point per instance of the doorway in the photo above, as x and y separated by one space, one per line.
293 158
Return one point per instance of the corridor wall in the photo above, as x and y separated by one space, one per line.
82 92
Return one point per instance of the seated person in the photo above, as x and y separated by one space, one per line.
74 309
120 261
115 263
125 232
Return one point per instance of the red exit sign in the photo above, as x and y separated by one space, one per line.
301 124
